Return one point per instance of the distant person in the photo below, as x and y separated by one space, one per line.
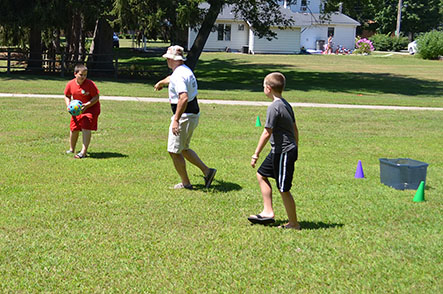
329 46
186 112
85 90
282 132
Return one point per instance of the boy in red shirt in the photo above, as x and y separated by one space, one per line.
80 88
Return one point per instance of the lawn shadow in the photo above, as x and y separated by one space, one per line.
220 74
220 186
428 187
311 225
105 155
232 74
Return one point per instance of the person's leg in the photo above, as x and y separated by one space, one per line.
73 137
180 166
266 192
289 204
193 158
86 136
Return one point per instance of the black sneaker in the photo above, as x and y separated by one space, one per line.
210 177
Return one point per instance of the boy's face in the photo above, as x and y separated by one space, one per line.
81 76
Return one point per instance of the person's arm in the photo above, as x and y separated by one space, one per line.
161 84
264 138
181 106
91 102
67 101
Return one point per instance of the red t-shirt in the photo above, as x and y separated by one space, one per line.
84 93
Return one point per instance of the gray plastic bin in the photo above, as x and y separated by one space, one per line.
402 173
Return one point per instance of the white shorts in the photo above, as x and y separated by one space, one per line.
187 124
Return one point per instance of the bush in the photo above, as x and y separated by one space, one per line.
399 43
386 43
430 45
363 46
381 42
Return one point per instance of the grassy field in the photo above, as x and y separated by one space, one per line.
110 223
379 79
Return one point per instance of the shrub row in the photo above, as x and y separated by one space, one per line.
386 43
430 45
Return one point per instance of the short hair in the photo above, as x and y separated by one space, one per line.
80 67
276 80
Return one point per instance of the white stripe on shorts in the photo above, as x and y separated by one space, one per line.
282 171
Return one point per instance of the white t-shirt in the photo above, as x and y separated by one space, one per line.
182 80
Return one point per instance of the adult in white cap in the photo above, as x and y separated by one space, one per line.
186 112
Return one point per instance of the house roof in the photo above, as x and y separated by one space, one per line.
300 19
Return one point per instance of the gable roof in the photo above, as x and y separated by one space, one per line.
300 19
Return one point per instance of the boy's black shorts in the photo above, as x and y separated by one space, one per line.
280 166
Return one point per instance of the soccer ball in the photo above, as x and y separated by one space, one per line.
75 107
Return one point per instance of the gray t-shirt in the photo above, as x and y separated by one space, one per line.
280 118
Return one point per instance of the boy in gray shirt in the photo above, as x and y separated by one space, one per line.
281 130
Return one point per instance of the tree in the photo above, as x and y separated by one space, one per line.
178 15
24 22
40 22
417 15
262 15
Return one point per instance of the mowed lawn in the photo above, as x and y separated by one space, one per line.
110 223
378 79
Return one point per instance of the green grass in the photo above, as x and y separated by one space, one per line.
376 80
110 223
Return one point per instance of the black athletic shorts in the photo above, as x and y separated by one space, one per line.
280 166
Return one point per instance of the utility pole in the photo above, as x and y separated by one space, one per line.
397 31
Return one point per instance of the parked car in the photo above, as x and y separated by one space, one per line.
115 41
412 47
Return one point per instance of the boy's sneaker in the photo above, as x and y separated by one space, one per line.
69 152
79 155
210 177
181 186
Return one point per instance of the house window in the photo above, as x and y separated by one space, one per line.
220 32
241 27
227 32
224 32
330 32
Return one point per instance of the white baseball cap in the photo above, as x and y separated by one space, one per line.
175 53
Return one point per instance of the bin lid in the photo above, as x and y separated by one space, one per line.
403 162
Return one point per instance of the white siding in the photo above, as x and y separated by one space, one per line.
311 35
314 6
238 38
344 36
288 41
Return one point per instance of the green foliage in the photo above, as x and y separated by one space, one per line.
430 45
399 43
383 42
417 16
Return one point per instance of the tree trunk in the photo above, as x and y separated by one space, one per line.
101 47
35 48
74 36
203 33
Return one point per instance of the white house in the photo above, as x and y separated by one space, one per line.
308 31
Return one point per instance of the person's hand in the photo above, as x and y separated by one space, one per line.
175 128
85 106
158 86
254 159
